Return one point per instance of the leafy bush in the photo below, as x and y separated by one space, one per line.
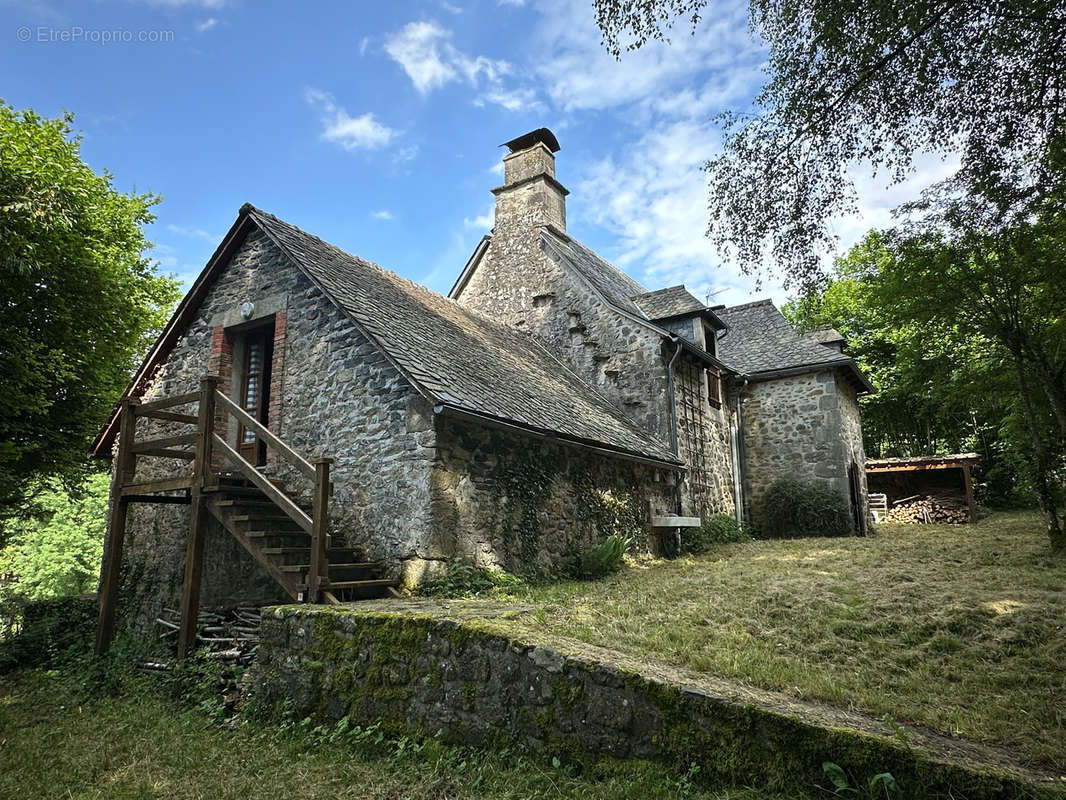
48 632
717 529
794 508
602 559
461 579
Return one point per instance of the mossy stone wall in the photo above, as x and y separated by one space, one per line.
419 673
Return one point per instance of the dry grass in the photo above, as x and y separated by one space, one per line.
960 629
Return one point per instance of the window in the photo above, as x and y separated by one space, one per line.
714 387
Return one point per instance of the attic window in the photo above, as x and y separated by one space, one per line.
710 338
714 387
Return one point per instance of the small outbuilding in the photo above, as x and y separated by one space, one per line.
924 489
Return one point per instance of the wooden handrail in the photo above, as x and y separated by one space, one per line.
282 500
272 439
165 402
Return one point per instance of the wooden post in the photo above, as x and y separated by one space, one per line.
970 502
125 467
320 531
194 547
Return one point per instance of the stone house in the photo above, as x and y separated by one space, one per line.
547 400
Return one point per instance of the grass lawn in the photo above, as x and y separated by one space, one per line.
961 629
53 744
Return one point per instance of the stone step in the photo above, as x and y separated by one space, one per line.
367 566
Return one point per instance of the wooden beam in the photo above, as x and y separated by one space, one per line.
198 516
167 441
971 504
169 416
269 489
268 436
168 402
165 485
182 500
125 467
319 572
162 452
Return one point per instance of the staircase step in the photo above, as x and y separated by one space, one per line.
263 517
368 584
253 504
367 565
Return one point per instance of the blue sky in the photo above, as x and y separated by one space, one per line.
376 125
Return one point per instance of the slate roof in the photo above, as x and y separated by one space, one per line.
608 280
673 301
760 339
460 357
825 336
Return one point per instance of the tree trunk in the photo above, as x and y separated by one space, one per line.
1042 466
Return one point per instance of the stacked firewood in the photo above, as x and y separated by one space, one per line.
930 508
230 635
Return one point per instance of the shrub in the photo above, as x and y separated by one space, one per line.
48 631
602 559
717 529
461 579
794 508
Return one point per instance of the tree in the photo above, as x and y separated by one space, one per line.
79 302
959 319
936 394
872 83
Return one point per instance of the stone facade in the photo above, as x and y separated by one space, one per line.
508 501
333 393
522 281
802 426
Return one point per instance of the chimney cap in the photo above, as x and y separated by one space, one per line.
527 140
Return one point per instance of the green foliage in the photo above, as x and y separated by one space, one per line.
880 785
56 552
602 559
792 509
461 579
872 84
81 302
716 529
47 632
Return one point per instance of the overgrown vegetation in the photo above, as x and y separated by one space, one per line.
792 508
714 529
603 558
958 628
81 303
135 743
56 551
460 579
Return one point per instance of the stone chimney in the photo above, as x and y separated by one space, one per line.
530 196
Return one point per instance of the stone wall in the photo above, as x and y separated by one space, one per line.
851 433
468 681
803 426
519 284
334 395
515 502
703 441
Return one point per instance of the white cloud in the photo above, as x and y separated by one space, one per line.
206 25
515 3
193 233
483 222
425 52
352 133
450 8
363 43
383 214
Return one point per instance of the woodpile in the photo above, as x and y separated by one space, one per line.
931 508
230 636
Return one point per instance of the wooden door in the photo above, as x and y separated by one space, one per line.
255 390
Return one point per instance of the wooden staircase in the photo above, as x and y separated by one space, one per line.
283 548
290 540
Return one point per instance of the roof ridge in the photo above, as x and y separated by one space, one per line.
766 301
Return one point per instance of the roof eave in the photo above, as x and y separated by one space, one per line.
544 433
100 448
